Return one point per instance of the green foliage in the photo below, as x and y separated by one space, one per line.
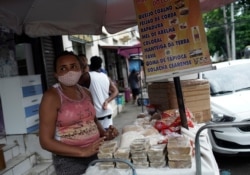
216 31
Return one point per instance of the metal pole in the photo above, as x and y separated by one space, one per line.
211 125
229 54
142 102
180 101
233 32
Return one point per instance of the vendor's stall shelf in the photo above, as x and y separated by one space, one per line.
21 96
196 94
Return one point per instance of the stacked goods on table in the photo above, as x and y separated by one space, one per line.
196 95
138 150
179 152
157 156
145 145
124 154
106 151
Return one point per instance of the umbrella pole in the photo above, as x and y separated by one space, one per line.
142 101
180 101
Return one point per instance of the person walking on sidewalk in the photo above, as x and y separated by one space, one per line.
103 91
134 83
68 127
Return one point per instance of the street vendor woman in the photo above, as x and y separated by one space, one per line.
68 125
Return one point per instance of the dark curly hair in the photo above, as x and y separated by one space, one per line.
95 63
64 53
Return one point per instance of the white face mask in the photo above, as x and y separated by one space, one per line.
70 78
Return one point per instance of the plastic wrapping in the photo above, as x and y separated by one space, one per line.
156 159
141 164
180 163
157 150
128 137
179 157
122 165
178 145
179 152
128 128
108 147
159 164
137 160
122 153
106 165
105 155
139 144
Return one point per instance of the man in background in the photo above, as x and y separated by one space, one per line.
134 83
102 89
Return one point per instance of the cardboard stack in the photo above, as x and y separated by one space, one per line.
196 95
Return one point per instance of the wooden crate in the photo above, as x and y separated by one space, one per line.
196 96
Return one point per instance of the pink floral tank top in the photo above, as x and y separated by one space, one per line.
75 121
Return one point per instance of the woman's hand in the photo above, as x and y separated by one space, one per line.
111 133
93 148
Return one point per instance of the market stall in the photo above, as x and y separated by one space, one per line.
153 165
173 44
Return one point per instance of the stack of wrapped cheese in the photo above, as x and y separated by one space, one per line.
124 154
106 151
157 156
138 150
179 152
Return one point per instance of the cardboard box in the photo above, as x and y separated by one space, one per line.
196 96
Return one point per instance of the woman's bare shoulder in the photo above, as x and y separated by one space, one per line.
51 94
86 90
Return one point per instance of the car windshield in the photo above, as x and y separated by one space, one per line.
229 79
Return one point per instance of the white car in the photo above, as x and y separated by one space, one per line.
230 102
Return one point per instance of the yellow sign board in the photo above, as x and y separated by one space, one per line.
173 38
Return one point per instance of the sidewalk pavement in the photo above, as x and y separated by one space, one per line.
128 115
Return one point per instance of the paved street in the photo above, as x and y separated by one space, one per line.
128 115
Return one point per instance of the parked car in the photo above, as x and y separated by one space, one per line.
230 102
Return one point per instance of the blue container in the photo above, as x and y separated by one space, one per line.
225 172
119 99
143 101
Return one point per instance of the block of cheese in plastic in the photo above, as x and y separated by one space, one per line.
178 145
128 137
157 150
141 153
122 165
108 147
141 164
106 165
136 128
139 159
105 155
159 164
122 153
139 144
179 163
157 158
179 157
